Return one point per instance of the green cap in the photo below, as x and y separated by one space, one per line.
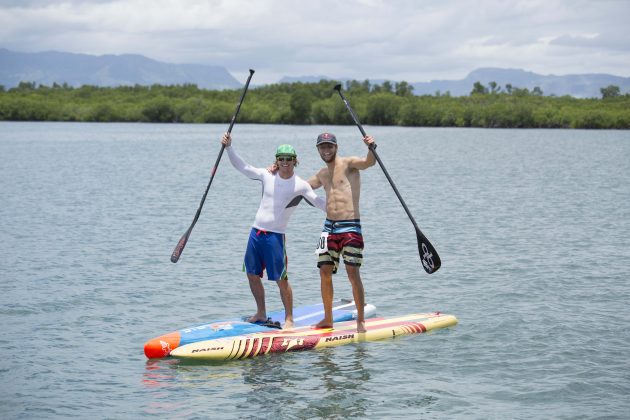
285 150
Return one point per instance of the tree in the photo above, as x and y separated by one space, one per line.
289 104
520 92
159 110
25 86
479 89
300 104
403 89
611 91
382 109
356 87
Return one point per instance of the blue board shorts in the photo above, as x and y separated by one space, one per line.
266 251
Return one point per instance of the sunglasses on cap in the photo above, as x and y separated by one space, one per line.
285 158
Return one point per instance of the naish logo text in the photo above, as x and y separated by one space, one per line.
207 349
339 337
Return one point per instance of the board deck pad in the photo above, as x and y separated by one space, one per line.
308 338
303 316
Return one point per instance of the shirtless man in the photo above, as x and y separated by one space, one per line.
281 193
341 235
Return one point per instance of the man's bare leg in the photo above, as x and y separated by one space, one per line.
286 294
325 273
359 295
258 290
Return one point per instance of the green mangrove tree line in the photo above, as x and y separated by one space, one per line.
316 103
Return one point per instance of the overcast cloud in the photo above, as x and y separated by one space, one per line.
412 40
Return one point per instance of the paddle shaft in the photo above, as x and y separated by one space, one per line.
179 248
430 259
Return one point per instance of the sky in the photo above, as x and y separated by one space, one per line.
411 40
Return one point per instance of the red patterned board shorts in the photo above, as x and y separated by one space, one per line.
344 241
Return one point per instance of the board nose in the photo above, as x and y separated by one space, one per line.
162 346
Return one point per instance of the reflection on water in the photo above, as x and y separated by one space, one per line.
345 381
328 383
164 373
156 373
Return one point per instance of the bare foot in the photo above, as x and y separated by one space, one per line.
255 318
324 324
361 327
288 325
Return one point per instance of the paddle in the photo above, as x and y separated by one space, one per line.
428 255
177 252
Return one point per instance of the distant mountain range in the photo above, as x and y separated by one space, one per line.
578 85
116 70
106 70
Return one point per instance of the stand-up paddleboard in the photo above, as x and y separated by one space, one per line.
343 310
308 338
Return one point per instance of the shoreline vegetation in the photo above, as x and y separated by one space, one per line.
489 106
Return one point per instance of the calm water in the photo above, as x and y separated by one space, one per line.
533 227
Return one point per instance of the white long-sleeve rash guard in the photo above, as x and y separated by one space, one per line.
280 196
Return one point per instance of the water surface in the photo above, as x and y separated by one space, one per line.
532 227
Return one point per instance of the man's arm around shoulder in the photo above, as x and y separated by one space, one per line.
314 181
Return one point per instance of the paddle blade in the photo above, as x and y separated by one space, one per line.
428 255
177 252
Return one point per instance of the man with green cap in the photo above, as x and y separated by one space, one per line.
281 193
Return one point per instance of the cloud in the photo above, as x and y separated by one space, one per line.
411 40
607 41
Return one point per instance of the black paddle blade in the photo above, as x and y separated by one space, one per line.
428 255
177 252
